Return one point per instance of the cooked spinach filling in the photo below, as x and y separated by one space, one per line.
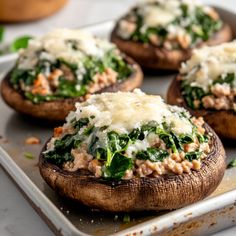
113 153
194 93
74 80
198 25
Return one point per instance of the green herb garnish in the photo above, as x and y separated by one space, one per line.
21 42
152 154
232 164
1 33
29 155
190 156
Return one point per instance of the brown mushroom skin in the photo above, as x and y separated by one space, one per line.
139 194
154 57
58 109
223 122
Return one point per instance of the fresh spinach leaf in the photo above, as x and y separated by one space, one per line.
1 33
150 127
58 158
68 89
229 79
186 138
93 145
136 134
168 139
101 154
190 156
118 166
192 93
21 42
28 76
88 130
177 141
202 138
77 125
152 154
72 66
117 142
232 164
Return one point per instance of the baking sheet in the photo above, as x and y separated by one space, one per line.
68 218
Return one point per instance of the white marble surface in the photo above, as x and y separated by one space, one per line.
17 218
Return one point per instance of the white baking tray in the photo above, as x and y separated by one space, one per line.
66 218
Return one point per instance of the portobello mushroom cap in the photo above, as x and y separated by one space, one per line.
57 110
223 122
139 194
154 57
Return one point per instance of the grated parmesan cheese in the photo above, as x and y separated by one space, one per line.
57 45
124 111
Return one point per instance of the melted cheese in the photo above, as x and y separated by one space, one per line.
124 111
208 63
161 14
157 13
154 16
58 44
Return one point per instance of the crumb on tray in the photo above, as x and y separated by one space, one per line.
32 140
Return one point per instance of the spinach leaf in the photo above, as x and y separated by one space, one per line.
67 142
150 127
117 142
1 33
93 145
88 130
167 138
58 158
136 134
152 154
184 9
62 149
35 98
77 125
68 89
28 76
186 138
177 141
72 66
202 138
191 93
118 166
232 164
229 79
190 156
21 42
101 154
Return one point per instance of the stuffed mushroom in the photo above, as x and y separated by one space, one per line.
63 67
160 34
206 86
132 152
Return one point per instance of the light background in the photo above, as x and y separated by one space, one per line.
17 218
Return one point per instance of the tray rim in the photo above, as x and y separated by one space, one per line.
45 207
